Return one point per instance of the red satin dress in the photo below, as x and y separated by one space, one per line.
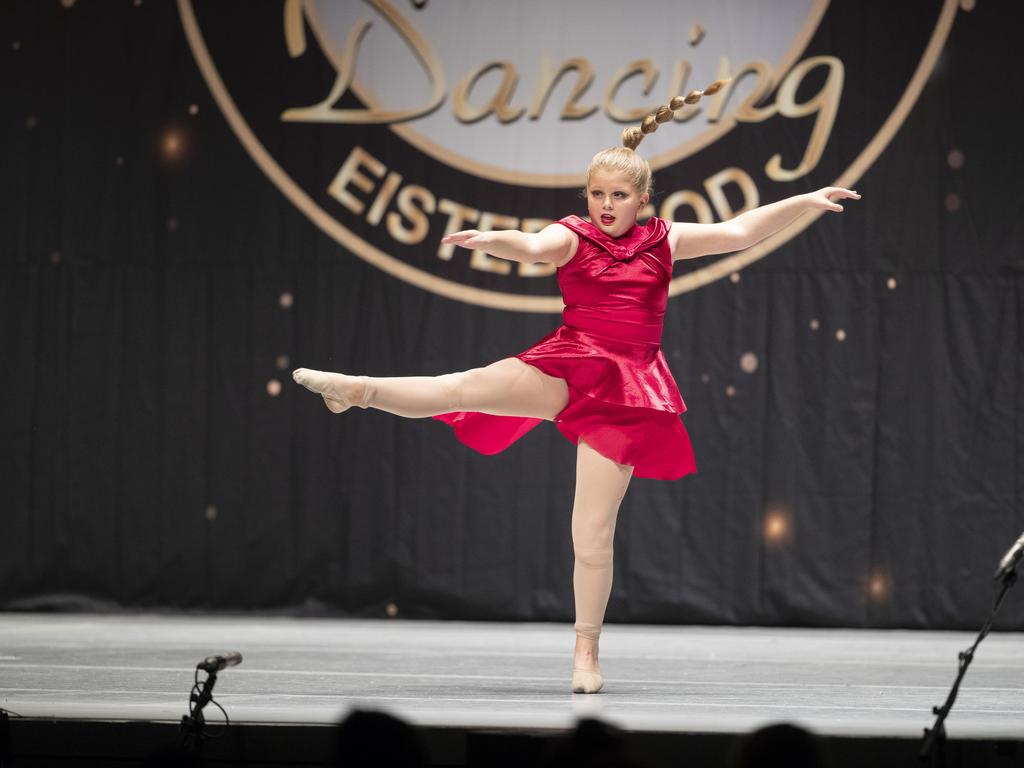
622 398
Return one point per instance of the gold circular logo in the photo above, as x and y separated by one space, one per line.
389 125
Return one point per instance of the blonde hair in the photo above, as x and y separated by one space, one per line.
624 161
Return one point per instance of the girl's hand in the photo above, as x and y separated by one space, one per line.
467 238
826 198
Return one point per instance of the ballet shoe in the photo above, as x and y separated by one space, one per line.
334 404
586 680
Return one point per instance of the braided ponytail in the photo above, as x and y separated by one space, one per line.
625 160
632 136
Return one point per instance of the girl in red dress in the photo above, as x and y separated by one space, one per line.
600 377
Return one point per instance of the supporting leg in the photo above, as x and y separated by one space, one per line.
600 485
508 387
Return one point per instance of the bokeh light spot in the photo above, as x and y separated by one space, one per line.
815 324
748 362
891 283
955 158
273 387
777 524
730 391
172 145
211 512
391 610
282 362
952 202
286 300
840 335
878 586
735 277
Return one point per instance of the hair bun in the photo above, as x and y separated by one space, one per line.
631 137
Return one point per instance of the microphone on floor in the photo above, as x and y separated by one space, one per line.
214 664
1010 560
193 725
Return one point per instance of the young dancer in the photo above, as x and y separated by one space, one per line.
601 376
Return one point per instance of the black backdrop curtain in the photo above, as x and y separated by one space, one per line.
149 309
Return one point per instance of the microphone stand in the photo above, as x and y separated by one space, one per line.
193 725
933 748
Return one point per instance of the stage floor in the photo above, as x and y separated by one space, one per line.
498 675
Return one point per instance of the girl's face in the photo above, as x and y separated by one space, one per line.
613 202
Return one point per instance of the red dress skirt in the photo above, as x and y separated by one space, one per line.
623 400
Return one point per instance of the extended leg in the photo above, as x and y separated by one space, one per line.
600 485
508 387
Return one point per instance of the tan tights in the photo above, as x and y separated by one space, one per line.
600 485
508 387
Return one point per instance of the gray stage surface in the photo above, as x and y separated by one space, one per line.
490 675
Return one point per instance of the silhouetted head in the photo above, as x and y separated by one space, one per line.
366 738
781 745
593 744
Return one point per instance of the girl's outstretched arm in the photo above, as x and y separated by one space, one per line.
554 244
691 240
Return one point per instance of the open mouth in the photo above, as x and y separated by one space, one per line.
607 219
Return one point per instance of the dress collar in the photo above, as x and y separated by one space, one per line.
623 248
